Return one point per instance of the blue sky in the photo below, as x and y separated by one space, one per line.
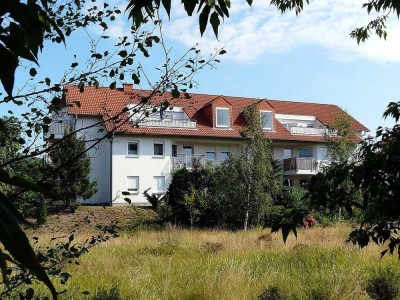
306 58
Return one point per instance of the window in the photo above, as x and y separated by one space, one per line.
133 149
287 153
174 151
158 184
158 149
323 154
306 152
222 117
210 155
266 119
224 155
133 184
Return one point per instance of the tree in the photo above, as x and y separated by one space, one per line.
70 171
214 11
375 179
25 28
340 138
260 172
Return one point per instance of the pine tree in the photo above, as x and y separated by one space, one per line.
70 169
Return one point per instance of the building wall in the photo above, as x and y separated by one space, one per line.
145 165
99 156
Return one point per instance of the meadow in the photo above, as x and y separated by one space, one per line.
175 263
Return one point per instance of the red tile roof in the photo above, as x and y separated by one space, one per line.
110 103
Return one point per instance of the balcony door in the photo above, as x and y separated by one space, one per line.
187 153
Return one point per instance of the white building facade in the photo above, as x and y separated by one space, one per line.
134 151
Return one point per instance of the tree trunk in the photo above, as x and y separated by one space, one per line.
246 219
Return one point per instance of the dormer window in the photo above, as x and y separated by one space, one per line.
266 119
222 117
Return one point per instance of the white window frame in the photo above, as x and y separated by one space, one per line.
155 190
131 190
272 119
127 148
163 148
216 118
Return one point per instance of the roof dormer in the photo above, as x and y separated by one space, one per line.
219 113
267 115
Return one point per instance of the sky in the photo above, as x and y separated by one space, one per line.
308 58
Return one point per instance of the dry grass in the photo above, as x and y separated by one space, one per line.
214 264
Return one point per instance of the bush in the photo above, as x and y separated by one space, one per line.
383 285
103 294
272 293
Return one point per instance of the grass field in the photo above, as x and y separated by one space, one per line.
175 263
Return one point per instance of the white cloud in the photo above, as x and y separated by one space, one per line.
252 32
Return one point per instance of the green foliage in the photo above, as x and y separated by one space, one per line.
272 293
70 169
339 139
214 12
383 284
103 294
236 194
374 183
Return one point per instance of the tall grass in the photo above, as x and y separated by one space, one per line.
213 264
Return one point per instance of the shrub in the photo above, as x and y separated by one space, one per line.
272 293
383 285
103 294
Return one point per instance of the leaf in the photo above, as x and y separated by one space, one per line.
8 65
167 6
384 252
16 242
189 6
64 277
222 52
47 81
128 200
126 193
123 53
203 19
175 94
223 7
135 78
214 21
16 180
285 232
32 72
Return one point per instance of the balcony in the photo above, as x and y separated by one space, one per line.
168 123
300 165
187 161
57 129
309 131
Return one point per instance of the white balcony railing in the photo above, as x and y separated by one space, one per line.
187 161
58 128
309 131
168 123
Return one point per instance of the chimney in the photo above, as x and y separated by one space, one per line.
128 87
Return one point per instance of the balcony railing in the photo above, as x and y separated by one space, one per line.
309 131
58 128
168 123
187 161
299 164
